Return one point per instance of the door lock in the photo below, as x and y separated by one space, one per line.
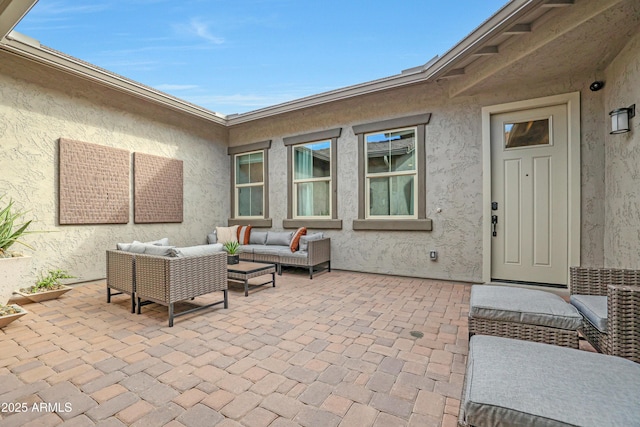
494 222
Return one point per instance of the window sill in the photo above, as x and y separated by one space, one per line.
393 224
257 223
322 224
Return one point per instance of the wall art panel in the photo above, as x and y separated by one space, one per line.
158 189
94 183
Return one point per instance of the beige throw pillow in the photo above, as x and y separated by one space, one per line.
227 234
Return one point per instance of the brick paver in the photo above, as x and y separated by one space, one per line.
332 351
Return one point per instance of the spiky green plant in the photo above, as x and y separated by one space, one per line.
232 248
50 281
11 229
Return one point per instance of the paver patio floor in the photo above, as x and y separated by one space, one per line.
337 350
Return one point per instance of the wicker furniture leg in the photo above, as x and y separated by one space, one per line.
167 280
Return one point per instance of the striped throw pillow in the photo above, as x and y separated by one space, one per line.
296 238
244 231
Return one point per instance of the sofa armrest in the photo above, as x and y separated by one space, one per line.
319 251
623 320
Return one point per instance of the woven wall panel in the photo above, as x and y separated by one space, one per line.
94 183
157 189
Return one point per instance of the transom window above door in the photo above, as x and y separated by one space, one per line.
526 134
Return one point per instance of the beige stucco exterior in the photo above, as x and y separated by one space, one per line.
39 105
622 163
453 179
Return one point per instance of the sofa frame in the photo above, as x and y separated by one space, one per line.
319 255
167 280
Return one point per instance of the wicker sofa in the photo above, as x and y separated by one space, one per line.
609 301
313 252
176 274
273 247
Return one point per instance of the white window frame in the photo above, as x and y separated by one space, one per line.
238 186
413 173
308 180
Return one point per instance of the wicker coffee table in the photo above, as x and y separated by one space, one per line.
244 270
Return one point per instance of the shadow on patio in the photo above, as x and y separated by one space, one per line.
343 349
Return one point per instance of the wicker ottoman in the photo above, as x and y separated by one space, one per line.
524 314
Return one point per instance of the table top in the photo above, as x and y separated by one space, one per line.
249 267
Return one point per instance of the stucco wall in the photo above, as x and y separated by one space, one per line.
453 175
38 106
622 232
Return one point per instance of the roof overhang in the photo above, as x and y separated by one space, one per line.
11 12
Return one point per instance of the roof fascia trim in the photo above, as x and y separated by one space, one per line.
11 12
29 48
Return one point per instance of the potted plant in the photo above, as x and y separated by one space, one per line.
9 313
12 264
47 287
232 249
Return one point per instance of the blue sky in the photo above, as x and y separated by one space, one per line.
235 56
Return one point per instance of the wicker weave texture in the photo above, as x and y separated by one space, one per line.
524 331
247 276
622 289
167 280
275 259
319 252
120 271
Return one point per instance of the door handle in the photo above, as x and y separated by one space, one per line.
494 222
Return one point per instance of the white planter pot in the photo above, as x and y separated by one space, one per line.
12 276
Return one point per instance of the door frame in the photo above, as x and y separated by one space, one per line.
572 101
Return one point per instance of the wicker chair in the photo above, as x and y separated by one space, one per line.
622 289
167 280
121 267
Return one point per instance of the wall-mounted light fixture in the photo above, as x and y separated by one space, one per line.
620 119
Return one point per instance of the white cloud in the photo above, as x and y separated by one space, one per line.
201 29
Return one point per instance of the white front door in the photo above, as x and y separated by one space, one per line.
529 191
